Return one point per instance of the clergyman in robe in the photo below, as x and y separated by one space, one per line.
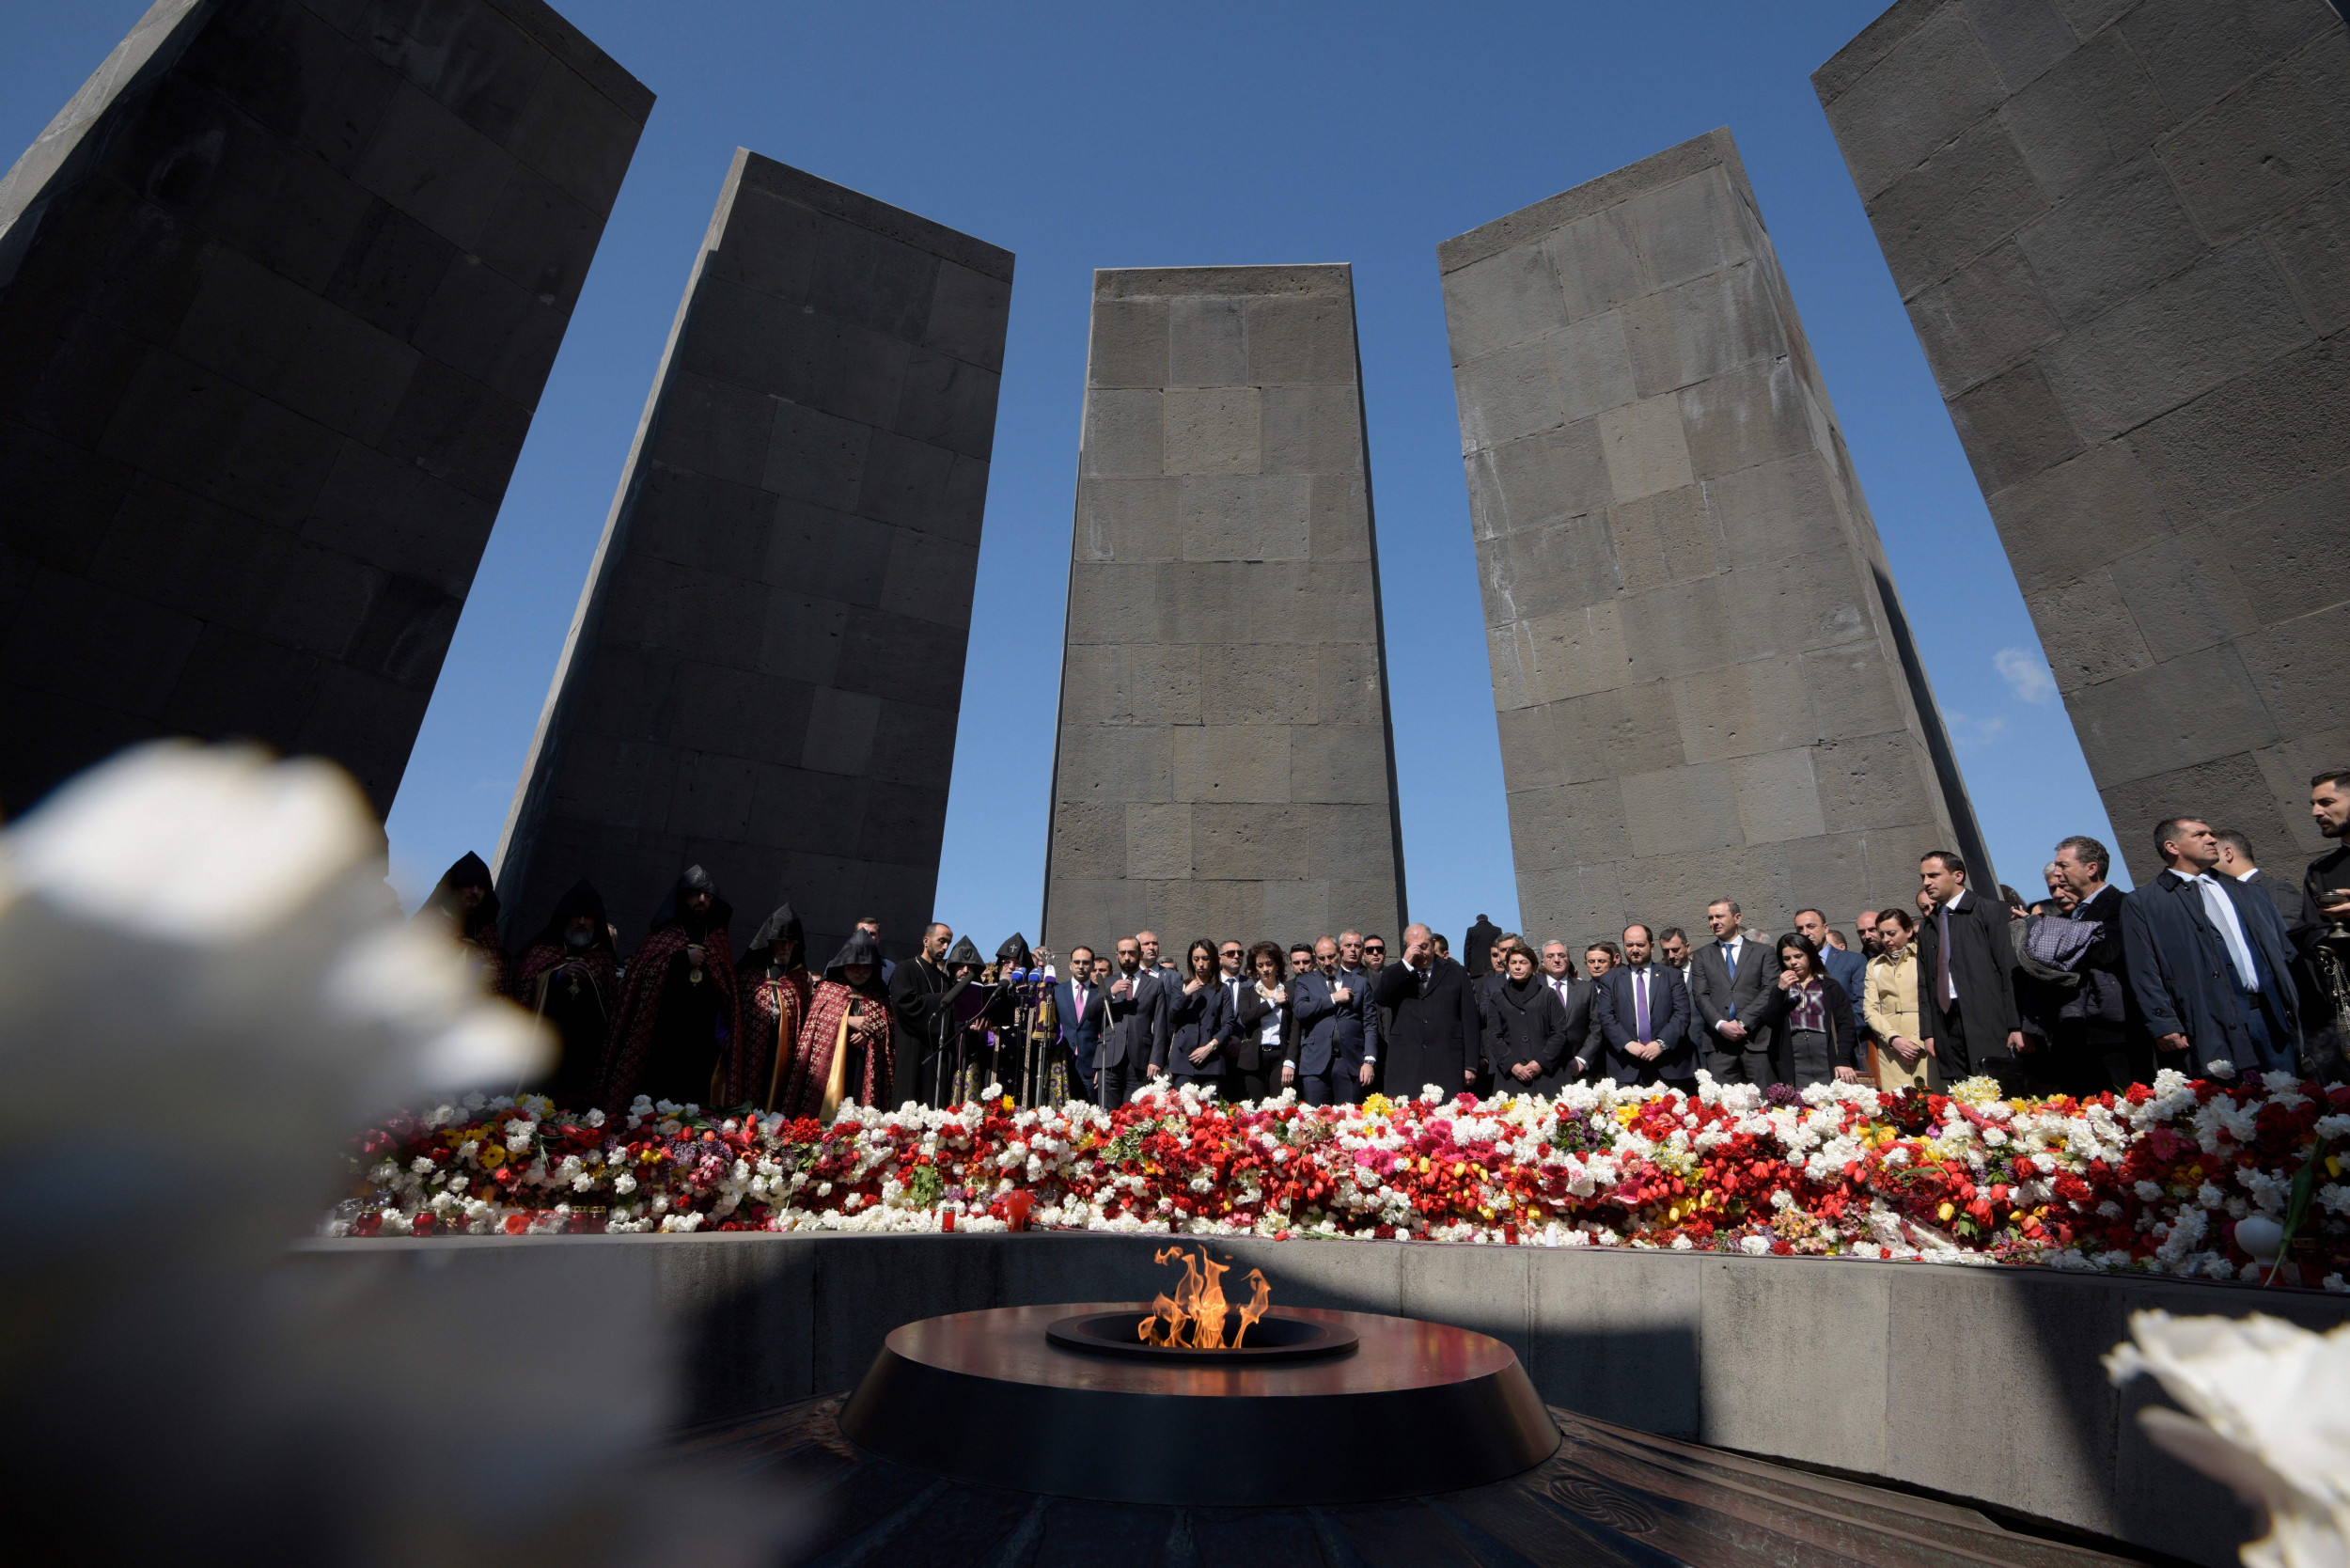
465 905
679 1009
775 991
846 1050
570 978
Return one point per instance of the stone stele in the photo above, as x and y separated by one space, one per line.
1226 766
765 670
1705 682
2122 232
278 292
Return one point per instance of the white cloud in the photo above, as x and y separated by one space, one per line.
1973 732
2026 673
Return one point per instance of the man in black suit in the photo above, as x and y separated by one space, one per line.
1133 1038
1730 979
1966 1015
2098 1049
1478 948
2209 962
1574 993
1641 1010
1437 1033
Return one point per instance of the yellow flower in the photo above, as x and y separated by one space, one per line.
1947 1209
1008 1102
1376 1105
492 1155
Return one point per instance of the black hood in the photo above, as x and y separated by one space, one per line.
1014 953
694 880
963 952
859 948
581 898
448 896
781 926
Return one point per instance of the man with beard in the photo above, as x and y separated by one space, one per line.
679 1011
570 978
2322 935
464 903
917 992
775 988
847 1047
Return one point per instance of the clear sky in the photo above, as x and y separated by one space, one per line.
1093 135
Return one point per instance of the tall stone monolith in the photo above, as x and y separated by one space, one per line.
1705 682
2120 231
278 292
765 670
1226 767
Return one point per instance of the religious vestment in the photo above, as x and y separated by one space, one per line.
475 927
679 1007
846 1044
571 980
777 988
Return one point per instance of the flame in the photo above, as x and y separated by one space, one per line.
1194 1317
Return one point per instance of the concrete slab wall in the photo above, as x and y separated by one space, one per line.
766 666
1225 765
1704 679
279 290
2119 228
1982 1384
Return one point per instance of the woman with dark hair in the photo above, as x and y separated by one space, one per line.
1813 1018
775 988
1526 1028
570 977
1258 1033
1892 1007
845 1050
1195 1016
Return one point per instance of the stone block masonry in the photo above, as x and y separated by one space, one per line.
278 292
2120 231
1226 767
766 666
1704 679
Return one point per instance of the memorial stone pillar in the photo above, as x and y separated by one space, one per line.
278 292
1705 682
765 673
1226 767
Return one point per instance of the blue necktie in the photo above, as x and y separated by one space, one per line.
1729 962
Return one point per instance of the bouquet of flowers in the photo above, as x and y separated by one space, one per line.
2155 1179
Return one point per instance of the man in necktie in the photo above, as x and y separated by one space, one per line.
1966 1015
2208 961
1082 1013
1574 995
1729 979
1641 1011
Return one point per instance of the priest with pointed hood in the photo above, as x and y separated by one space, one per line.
570 978
679 1010
465 905
846 1047
776 990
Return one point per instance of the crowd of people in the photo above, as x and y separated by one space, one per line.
2204 969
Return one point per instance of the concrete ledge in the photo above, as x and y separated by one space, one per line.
1981 1384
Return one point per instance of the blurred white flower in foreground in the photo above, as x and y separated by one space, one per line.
205 989
2269 1408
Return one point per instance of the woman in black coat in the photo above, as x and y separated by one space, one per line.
1195 1018
1812 1017
1256 1035
1526 1030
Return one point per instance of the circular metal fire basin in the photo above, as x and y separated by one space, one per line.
1280 1334
990 1397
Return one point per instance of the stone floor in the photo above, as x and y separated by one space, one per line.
1609 1496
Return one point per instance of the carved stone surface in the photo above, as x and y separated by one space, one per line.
278 292
1226 766
2120 231
766 666
1705 682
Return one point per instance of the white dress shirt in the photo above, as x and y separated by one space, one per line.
2220 910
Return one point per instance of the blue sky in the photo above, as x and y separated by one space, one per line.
1124 135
